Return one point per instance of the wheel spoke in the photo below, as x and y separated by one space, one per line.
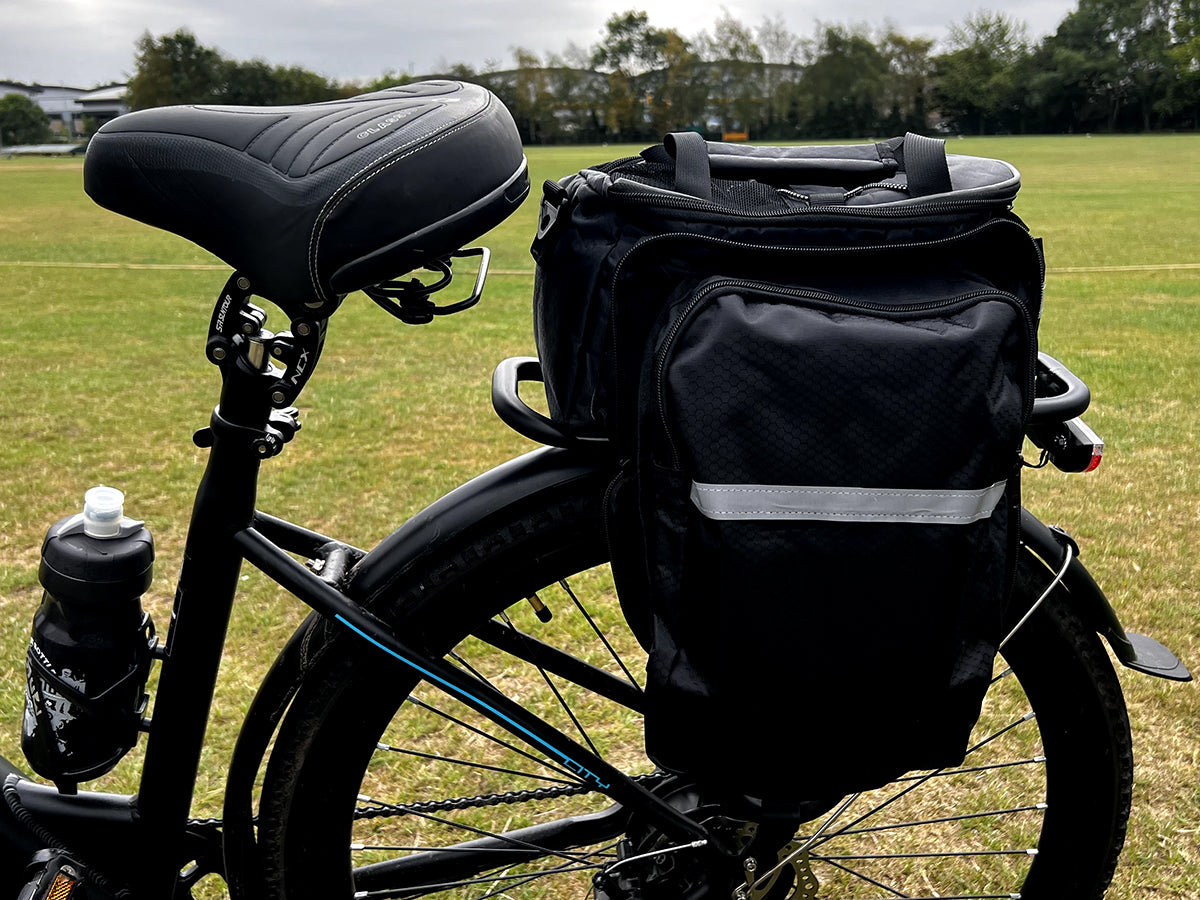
498 741
513 843
1037 807
457 657
946 773
923 779
400 872
509 876
1028 717
511 881
562 702
469 764
565 585
604 853
498 821
862 877
942 855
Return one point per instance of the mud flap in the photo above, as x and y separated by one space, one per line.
1134 651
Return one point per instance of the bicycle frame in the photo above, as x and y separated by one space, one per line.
143 839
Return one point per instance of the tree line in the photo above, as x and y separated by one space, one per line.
1111 65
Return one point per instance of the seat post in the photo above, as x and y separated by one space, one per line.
247 427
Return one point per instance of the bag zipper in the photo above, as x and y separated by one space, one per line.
963 300
614 305
877 185
606 501
664 199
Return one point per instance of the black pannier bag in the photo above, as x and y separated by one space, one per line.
815 366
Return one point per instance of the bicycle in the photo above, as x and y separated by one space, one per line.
430 626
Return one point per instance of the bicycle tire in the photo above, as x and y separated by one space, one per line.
314 798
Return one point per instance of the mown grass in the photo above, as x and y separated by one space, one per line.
102 379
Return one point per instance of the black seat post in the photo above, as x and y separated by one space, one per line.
247 427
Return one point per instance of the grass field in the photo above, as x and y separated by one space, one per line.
102 379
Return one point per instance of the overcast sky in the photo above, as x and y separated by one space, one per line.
88 42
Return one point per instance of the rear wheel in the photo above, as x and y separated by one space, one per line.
382 787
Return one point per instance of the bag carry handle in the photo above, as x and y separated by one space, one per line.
922 159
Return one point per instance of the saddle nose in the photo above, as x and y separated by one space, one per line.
312 202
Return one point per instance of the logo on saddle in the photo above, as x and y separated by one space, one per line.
384 124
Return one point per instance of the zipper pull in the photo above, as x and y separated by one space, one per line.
789 193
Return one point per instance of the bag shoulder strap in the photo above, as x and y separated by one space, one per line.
922 159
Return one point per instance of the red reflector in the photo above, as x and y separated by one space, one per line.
1097 456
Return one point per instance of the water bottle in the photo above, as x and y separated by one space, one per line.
92 643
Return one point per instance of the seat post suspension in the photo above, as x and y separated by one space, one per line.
262 372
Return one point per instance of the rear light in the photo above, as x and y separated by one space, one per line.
1076 448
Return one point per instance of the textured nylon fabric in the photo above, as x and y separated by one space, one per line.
894 619
925 164
624 218
759 389
827 335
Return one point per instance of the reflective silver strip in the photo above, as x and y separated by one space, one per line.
845 504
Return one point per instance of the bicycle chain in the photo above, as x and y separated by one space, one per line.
483 800
458 803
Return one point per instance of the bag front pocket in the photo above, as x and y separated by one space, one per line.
833 511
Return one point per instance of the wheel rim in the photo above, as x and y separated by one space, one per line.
968 832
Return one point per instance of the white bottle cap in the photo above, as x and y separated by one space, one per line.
103 509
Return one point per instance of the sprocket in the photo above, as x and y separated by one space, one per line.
650 867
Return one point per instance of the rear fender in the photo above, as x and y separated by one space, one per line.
1135 651
531 482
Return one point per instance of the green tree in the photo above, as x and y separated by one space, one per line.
1181 96
175 68
1068 88
579 95
22 121
250 83
736 63
630 47
1136 34
630 44
780 76
532 104
976 85
677 93
1107 66
843 86
906 91
392 78
295 84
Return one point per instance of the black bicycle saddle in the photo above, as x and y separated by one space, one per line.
313 202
